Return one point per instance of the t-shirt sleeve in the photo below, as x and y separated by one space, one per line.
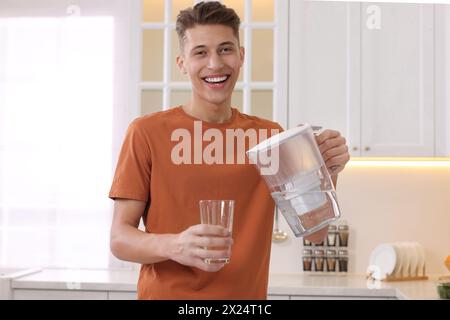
133 170
279 127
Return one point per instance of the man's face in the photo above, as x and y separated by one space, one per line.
212 58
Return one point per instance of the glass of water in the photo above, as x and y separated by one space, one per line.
217 212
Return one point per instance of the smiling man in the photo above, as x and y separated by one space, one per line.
171 160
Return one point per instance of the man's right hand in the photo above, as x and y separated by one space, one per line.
189 246
131 244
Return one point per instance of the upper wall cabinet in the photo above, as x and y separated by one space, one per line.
369 71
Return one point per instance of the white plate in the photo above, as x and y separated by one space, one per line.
421 262
405 259
413 259
382 261
398 271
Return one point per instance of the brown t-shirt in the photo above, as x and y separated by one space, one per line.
146 171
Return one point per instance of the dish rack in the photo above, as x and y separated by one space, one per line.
399 261
407 278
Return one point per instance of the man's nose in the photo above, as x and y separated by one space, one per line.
215 62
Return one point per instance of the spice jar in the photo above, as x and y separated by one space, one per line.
331 237
319 260
307 260
331 260
343 260
321 244
343 235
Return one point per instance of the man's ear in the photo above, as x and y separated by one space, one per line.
242 55
180 64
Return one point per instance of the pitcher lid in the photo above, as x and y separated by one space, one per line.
279 138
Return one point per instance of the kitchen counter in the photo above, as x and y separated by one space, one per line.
6 277
349 286
92 280
284 286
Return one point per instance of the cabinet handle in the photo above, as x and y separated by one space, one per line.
355 148
367 149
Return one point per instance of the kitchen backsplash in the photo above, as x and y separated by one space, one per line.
384 204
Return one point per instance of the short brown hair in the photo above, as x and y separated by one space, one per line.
204 13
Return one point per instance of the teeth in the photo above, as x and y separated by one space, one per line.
214 80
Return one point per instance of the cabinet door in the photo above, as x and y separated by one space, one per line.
324 75
24 294
122 295
277 297
340 298
397 115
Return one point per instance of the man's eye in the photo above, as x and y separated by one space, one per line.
226 50
200 53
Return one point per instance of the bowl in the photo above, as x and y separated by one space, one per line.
443 289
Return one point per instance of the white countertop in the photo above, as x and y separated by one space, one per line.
279 284
64 279
350 286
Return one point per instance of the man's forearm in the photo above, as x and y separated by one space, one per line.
132 244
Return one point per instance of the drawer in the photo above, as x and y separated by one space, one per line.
277 297
25 294
338 298
122 295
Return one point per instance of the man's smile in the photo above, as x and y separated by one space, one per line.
216 81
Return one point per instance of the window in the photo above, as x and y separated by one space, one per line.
57 108
261 88
71 81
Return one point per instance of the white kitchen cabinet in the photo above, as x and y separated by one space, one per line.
25 294
7 275
277 297
122 295
340 298
321 74
39 294
366 70
397 81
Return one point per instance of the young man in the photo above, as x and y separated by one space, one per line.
165 168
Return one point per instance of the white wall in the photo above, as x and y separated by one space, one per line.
385 205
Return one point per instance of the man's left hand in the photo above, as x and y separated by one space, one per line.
334 150
335 154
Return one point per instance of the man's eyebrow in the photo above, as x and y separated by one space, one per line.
202 46
227 43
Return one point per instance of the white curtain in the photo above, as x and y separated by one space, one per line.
56 140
